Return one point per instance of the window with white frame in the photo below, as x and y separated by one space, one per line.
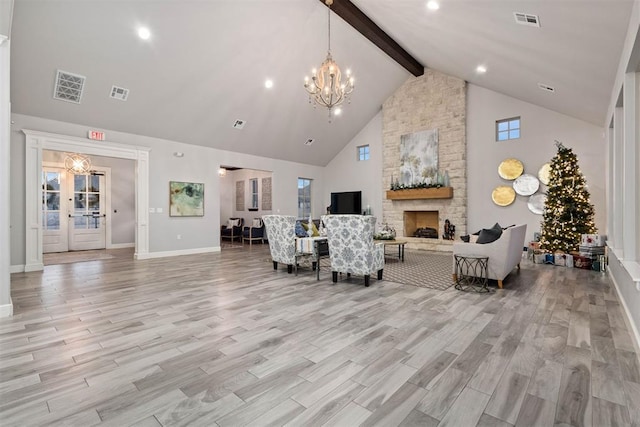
304 198
254 193
507 129
363 152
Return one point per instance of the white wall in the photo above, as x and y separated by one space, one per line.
199 164
123 213
539 128
346 173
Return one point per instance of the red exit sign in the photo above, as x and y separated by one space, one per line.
97 135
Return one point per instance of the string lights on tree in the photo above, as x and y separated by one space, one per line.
568 213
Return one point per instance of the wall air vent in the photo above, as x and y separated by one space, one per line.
68 87
527 19
119 93
239 124
546 87
309 141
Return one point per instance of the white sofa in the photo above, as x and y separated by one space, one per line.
504 254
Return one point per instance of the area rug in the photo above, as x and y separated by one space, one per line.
425 269
75 256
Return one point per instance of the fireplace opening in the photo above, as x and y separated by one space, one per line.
421 224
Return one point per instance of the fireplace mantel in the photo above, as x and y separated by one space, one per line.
420 193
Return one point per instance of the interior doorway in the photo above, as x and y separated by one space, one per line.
36 142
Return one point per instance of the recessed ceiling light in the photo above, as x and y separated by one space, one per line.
144 33
268 83
433 5
481 69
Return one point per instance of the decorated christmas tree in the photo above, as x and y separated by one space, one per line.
567 211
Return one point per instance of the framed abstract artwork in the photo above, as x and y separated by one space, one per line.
186 199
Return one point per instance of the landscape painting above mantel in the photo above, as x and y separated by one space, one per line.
418 157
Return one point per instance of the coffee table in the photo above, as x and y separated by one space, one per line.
399 243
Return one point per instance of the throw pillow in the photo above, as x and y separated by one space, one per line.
231 223
474 238
300 231
465 238
488 235
314 229
257 223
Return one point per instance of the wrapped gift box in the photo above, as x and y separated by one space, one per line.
592 252
592 240
568 260
539 258
582 262
560 259
549 259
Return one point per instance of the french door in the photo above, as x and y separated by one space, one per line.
73 211
55 235
87 215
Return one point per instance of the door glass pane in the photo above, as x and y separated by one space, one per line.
94 202
53 221
94 184
80 222
80 183
94 223
53 201
53 181
79 201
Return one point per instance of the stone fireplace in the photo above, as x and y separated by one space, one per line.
431 101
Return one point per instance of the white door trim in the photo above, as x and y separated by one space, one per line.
36 141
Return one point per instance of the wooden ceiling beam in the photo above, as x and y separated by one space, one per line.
365 26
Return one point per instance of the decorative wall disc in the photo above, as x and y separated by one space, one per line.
526 185
544 173
503 195
536 203
510 169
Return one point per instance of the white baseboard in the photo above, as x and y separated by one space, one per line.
16 268
628 319
6 310
180 252
121 245
33 267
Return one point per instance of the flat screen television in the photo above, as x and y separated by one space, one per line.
347 202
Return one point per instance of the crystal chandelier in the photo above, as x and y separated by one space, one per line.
326 87
77 164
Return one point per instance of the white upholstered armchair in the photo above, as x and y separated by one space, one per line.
282 239
351 246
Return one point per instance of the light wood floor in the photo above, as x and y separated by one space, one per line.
223 339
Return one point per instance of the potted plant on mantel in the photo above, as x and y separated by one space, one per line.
433 188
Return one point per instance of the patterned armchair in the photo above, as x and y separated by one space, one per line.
351 246
282 239
254 233
232 230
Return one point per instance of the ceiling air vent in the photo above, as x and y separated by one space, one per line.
546 87
239 124
119 93
309 141
68 87
527 19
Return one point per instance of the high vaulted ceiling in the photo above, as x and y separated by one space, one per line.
206 63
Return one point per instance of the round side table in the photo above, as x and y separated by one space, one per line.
472 273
